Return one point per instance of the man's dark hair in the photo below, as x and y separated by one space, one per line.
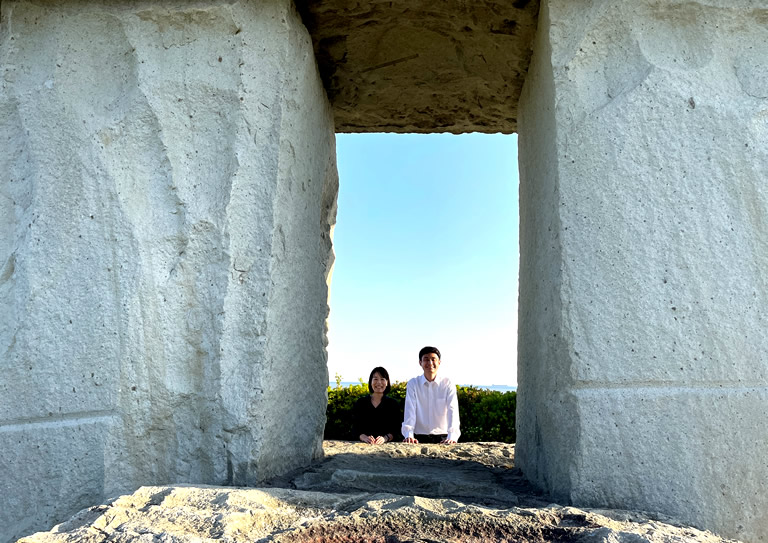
427 350
381 371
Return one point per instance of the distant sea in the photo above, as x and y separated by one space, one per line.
500 388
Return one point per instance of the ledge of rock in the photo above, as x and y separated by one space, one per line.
469 492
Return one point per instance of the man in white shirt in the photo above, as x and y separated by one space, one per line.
431 404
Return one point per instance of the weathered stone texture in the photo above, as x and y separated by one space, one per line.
167 187
372 494
423 66
643 370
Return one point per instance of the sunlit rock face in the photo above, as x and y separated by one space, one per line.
643 199
423 66
465 493
168 185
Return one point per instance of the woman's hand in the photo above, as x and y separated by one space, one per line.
374 440
411 440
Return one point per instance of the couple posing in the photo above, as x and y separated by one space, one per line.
431 407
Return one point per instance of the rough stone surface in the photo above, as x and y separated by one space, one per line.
383 509
167 188
482 473
642 349
423 66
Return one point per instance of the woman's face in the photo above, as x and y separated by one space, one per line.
378 383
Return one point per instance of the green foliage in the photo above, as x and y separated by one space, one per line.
486 415
338 424
397 391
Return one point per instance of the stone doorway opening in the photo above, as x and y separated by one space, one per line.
427 252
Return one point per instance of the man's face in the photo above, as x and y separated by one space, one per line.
429 363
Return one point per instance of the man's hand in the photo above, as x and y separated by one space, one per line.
379 440
448 441
410 440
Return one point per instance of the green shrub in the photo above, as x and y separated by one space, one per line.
486 415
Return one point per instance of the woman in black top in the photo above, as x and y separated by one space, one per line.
376 418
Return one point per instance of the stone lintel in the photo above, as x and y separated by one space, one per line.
423 66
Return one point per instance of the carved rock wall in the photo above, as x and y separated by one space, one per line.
643 368
423 66
167 188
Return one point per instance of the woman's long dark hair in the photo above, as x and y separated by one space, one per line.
381 371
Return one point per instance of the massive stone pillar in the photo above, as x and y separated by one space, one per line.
167 186
644 245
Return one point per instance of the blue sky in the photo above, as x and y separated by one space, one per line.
426 244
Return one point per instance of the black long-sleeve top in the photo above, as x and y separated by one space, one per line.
384 419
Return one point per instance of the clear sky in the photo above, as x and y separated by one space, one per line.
426 244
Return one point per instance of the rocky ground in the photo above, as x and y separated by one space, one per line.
469 492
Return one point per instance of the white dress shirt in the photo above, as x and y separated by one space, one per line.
431 408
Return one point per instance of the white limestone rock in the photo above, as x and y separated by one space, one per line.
167 186
386 512
642 348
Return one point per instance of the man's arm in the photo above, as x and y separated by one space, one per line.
453 414
409 419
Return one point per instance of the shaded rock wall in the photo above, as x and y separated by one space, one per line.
643 231
167 188
423 66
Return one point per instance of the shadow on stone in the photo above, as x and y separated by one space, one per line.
427 471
